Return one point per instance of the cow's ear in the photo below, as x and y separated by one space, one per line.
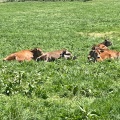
94 47
33 50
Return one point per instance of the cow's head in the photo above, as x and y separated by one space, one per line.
94 55
107 43
36 52
66 54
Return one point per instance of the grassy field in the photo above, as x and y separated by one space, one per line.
64 89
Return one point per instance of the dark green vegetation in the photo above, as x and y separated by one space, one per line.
60 90
42 0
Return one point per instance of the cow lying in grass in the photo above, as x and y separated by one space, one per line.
24 55
104 45
96 54
100 55
54 55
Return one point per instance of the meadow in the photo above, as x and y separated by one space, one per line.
64 89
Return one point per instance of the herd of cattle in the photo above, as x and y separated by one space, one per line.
98 52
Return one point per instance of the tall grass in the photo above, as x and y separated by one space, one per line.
64 89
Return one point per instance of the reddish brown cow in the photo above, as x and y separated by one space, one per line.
104 45
24 55
100 55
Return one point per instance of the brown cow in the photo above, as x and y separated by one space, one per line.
24 55
104 45
100 55
54 55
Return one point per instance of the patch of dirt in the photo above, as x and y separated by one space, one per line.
95 34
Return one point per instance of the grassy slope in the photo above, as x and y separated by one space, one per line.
62 90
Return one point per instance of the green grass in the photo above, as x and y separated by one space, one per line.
60 90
